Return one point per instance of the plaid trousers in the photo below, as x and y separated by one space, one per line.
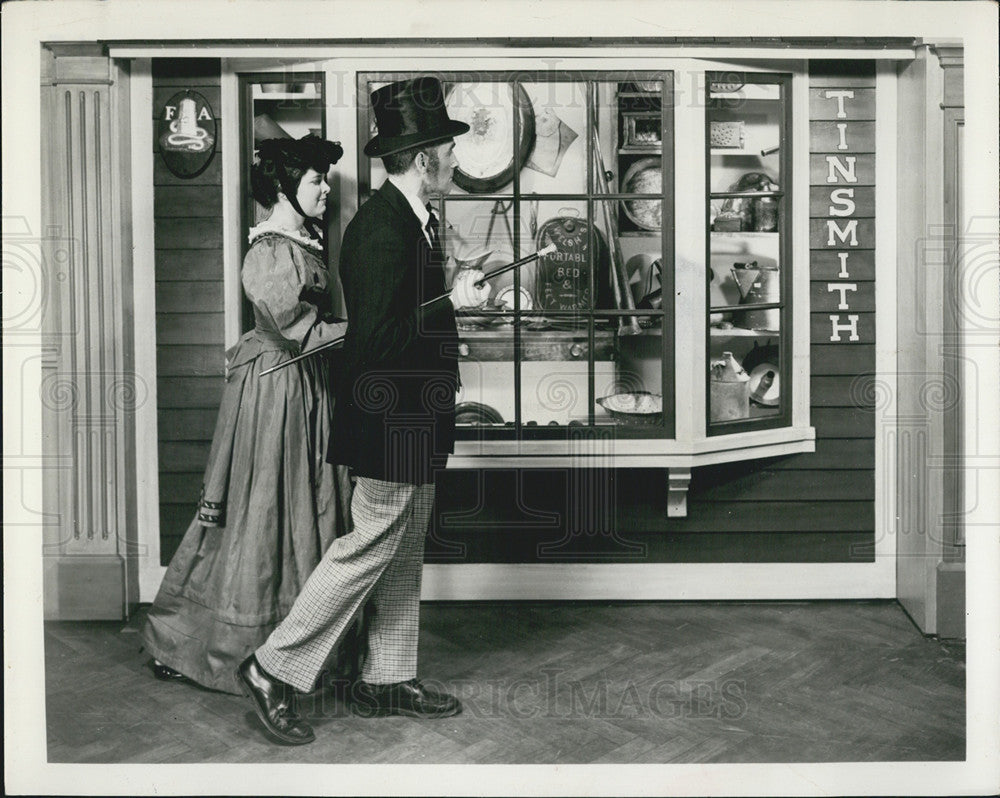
382 557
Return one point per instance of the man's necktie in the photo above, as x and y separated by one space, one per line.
432 226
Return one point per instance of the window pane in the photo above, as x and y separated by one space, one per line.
638 163
633 398
744 380
629 263
733 279
488 154
479 234
567 277
558 160
748 245
486 366
555 376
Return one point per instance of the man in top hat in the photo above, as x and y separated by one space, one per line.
394 425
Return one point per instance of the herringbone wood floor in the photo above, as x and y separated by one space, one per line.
561 683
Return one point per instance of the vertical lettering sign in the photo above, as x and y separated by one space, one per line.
842 203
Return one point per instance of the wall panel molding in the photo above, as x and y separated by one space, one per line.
88 393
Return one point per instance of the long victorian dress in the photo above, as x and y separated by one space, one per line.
271 504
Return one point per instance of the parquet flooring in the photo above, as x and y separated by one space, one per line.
561 683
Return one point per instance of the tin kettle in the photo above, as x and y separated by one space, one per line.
757 285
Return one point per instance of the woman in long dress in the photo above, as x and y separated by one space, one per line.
271 504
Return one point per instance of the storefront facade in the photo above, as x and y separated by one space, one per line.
727 382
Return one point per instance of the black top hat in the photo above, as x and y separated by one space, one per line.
410 113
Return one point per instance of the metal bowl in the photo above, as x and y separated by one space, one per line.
476 413
644 177
634 408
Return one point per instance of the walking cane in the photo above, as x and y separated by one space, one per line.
479 284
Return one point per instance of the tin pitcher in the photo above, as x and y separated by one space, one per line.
757 285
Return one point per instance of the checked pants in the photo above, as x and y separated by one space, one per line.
382 558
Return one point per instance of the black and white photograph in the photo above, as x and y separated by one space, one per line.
538 398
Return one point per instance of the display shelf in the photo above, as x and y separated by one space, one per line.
756 411
259 95
747 194
544 345
739 151
740 332
744 234
750 92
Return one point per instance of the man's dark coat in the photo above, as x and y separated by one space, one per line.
395 413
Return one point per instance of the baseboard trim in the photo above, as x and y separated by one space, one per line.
84 588
951 600
643 582
657 581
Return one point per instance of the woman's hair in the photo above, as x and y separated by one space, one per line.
282 162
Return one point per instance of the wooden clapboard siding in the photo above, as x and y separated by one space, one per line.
202 393
767 516
191 232
183 484
829 359
189 328
187 424
190 361
212 176
652 545
177 201
188 265
180 297
190 316
753 485
832 454
176 456
843 422
176 518
858 390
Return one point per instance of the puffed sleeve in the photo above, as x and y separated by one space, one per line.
291 295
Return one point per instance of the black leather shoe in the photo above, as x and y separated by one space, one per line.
274 703
165 673
403 698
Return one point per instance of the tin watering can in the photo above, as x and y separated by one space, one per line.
729 390
757 285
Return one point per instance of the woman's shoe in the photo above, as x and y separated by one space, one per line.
164 672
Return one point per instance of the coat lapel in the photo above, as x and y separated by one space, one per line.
414 232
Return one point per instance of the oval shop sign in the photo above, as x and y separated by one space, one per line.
187 134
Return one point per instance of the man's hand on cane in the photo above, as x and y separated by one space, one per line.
464 293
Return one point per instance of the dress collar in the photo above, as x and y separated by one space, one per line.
300 236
